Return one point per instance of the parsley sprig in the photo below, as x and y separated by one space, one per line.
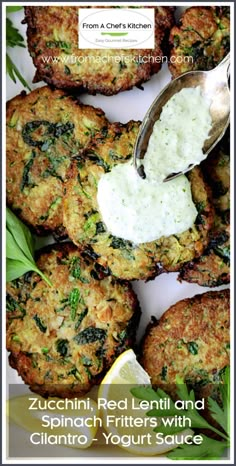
209 448
14 39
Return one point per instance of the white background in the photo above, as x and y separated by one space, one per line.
155 296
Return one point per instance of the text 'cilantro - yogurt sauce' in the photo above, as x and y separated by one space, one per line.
143 210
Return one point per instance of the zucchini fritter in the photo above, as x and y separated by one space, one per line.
63 338
213 267
203 35
85 228
53 44
190 340
45 129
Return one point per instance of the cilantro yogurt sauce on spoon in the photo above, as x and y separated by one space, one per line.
143 210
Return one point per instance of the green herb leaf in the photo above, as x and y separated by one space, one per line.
62 347
169 429
145 393
26 172
13 37
20 233
15 269
13 9
40 324
14 73
74 299
221 415
192 347
90 335
19 249
209 449
12 305
12 249
80 318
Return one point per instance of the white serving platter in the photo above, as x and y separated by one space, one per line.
155 296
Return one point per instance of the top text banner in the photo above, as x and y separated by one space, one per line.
116 28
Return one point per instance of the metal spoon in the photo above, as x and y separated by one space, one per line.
214 85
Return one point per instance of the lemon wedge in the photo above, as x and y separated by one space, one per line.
125 422
72 422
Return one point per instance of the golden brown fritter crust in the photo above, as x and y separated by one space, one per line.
64 338
85 228
45 129
213 267
203 36
190 340
53 32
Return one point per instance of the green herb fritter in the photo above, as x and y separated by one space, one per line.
44 130
62 339
202 39
190 340
86 229
213 267
53 43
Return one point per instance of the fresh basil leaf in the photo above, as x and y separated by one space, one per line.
21 234
15 269
12 249
19 244
34 268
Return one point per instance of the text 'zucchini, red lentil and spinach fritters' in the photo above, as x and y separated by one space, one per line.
85 226
53 44
62 339
44 130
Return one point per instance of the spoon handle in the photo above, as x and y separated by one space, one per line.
223 66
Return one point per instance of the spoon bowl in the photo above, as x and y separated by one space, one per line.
214 86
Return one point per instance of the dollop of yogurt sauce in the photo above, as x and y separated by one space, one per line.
144 210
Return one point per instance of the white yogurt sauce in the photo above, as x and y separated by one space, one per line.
143 210
140 211
179 135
